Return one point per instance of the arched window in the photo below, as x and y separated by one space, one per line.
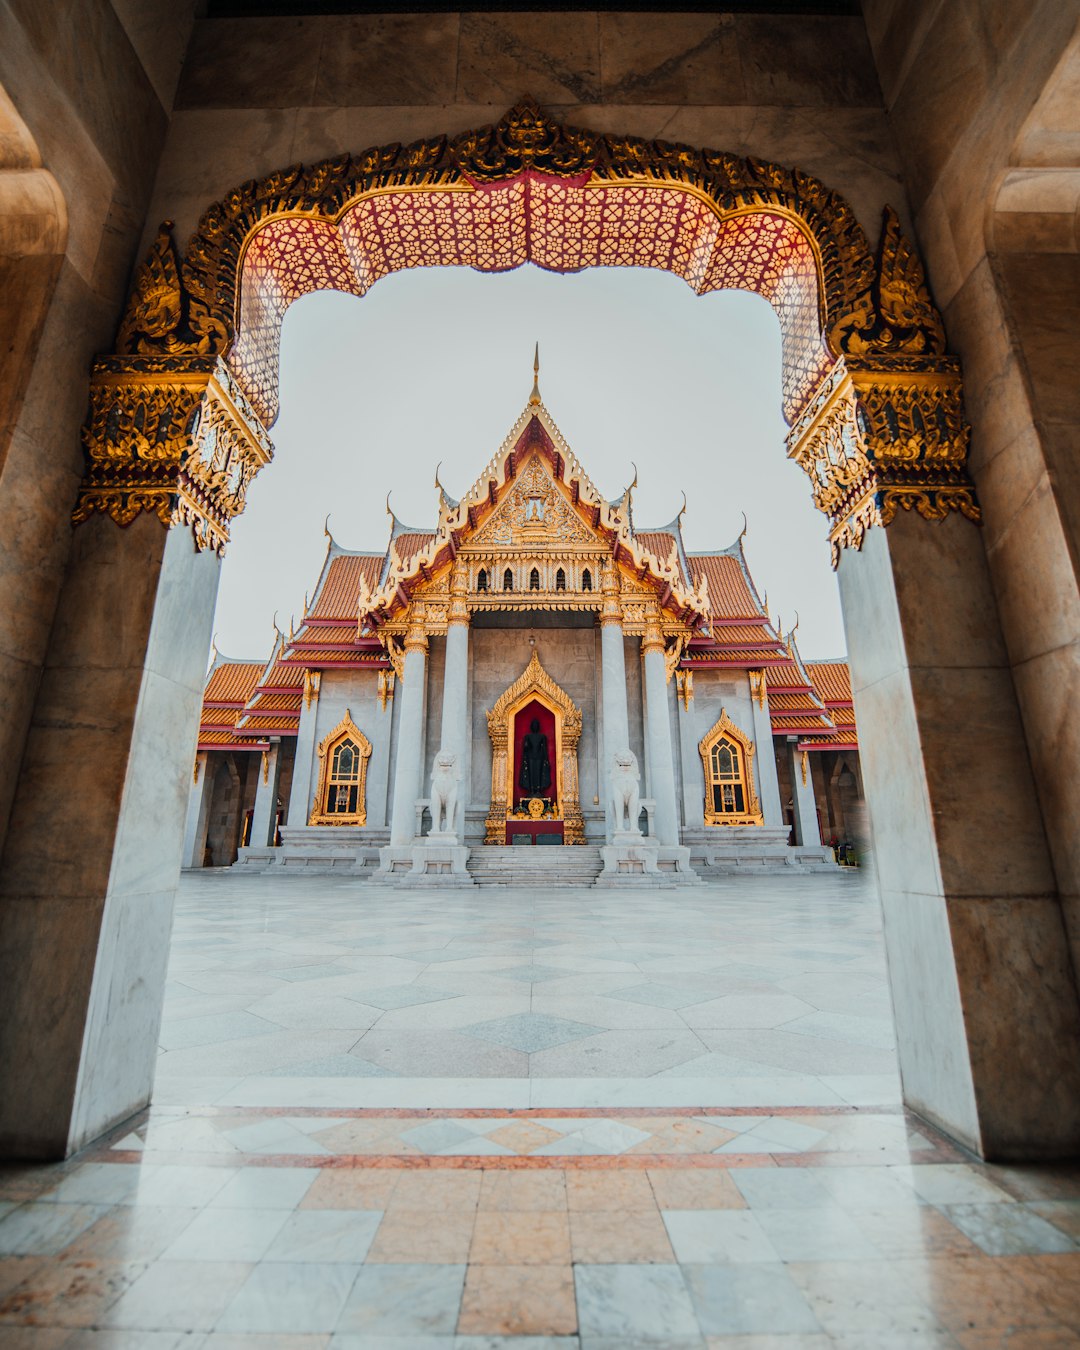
727 757
343 758
586 580
344 780
481 580
534 580
560 580
508 580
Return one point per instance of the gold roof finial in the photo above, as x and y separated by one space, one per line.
745 527
534 397
213 649
682 510
326 528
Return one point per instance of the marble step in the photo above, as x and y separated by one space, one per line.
536 865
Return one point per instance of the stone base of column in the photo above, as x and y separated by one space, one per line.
635 860
433 861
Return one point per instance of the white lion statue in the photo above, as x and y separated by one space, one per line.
444 793
625 797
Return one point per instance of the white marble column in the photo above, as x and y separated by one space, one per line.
264 816
765 779
198 813
410 736
304 765
807 830
455 702
613 683
661 765
693 780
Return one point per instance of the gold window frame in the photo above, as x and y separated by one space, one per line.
346 729
725 729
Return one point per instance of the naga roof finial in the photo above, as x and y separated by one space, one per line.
326 528
682 510
745 527
534 397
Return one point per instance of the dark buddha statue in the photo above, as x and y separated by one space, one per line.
535 776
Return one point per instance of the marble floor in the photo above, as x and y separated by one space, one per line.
750 992
300 1186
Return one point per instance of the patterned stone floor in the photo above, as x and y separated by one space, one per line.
753 992
290 1202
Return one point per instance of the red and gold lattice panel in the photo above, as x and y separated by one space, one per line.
560 226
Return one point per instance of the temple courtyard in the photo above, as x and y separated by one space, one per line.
564 1119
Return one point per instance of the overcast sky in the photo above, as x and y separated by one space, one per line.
436 364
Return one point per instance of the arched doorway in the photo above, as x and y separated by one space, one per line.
178 428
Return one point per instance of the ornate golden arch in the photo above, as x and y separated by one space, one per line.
346 729
178 417
725 729
535 683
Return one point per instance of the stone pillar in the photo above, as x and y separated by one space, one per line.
807 830
300 799
660 750
97 832
411 691
983 991
264 816
765 779
198 813
693 782
613 677
454 733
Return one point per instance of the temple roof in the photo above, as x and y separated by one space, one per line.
832 683
795 706
417 555
229 684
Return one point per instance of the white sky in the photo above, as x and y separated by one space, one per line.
436 364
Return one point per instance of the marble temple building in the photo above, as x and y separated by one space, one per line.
533 650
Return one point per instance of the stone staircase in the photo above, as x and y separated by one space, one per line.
535 867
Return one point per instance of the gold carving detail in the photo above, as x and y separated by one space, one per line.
386 688
876 441
312 682
536 683
684 687
177 439
757 687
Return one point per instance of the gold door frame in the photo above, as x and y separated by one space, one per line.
535 683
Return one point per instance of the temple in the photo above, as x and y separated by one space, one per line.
536 669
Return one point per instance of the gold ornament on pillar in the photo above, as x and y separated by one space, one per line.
611 611
757 687
173 436
458 609
265 767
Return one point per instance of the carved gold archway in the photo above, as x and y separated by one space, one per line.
179 415
535 683
321 814
724 729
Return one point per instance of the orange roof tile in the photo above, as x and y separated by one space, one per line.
729 595
409 545
275 702
312 635
832 680
232 682
339 592
273 722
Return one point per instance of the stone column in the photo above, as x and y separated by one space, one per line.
765 780
613 676
983 990
410 731
198 813
454 732
97 832
661 766
264 816
300 802
693 786
807 830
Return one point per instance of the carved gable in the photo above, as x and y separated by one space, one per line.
533 513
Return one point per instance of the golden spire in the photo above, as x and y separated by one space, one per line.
534 397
